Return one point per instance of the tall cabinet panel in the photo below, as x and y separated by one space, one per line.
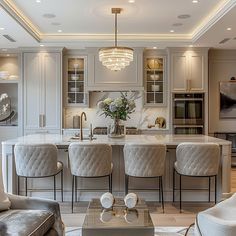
42 92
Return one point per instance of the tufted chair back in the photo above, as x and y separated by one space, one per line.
147 160
90 160
35 160
198 159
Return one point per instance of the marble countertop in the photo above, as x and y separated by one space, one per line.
65 140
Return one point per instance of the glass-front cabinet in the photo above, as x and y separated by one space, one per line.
76 78
155 81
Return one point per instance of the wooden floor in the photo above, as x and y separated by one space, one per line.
171 217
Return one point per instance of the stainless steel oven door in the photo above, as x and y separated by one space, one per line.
188 111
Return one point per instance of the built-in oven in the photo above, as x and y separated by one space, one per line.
188 113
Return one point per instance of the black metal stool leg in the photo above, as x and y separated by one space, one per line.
76 199
209 187
180 193
54 177
26 187
162 195
72 200
62 185
126 184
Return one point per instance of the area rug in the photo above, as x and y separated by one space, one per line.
159 231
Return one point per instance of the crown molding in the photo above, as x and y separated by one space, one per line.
110 37
18 16
213 18
33 30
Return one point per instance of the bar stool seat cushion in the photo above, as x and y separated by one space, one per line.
27 222
197 159
218 220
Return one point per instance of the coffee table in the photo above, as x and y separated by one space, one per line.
117 221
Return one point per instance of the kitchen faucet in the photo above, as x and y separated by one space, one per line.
81 124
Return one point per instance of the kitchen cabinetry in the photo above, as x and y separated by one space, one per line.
42 92
155 80
76 81
102 79
189 70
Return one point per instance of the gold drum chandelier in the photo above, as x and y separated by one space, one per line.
116 58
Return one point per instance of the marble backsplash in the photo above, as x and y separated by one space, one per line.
141 118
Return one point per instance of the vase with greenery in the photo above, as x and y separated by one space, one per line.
118 110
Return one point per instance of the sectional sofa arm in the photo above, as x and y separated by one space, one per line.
30 203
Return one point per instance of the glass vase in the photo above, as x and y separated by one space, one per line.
116 129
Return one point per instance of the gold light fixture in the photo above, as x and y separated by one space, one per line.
116 58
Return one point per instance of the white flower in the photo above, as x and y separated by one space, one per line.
113 107
118 102
108 101
100 105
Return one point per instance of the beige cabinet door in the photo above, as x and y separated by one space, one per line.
196 71
32 90
42 91
179 71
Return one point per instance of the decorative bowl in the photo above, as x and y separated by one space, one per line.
155 77
154 64
155 87
74 89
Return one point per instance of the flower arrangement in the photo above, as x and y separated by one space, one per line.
118 109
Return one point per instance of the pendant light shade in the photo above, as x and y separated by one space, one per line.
116 58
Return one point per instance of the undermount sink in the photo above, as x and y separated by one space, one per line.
84 138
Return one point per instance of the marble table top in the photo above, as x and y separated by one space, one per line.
65 140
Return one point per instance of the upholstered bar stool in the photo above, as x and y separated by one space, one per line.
145 161
37 161
89 161
196 160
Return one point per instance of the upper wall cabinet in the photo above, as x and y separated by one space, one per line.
189 71
102 79
42 92
154 78
75 81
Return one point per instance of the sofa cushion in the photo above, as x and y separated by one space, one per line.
27 222
4 201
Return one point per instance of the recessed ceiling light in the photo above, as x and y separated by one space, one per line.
229 29
56 23
177 24
1 28
194 1
8 55
154 47
41 45
49 15
59 31
190 45
38 1
184 16
172 31
131 1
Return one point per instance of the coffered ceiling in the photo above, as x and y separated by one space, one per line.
145 23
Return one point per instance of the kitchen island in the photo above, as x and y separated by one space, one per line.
63 141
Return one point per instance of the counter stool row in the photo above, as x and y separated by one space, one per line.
95 161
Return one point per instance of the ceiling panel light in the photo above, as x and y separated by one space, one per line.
154 47
131 1
59 31
194 1
229 29
41 45
8 55
177 24
38 1
172 31
116 58
1 28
